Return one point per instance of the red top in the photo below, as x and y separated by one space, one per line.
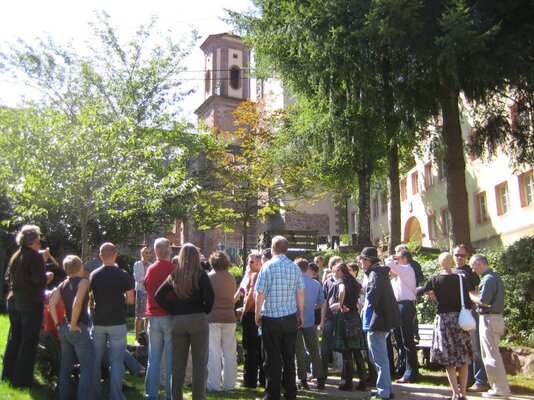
155 276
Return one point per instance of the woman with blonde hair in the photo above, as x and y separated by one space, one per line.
141 296
451 346
76 341
188 295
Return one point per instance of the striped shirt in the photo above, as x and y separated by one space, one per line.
279 279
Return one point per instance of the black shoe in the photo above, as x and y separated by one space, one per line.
361 386
304 384
346 387
321 384
370 381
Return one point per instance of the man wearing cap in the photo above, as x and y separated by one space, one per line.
490 302
380 315
307 338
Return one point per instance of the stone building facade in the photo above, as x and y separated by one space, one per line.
226 85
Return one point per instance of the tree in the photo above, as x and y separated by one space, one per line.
419 56
471 48
103 143
241 182
337 54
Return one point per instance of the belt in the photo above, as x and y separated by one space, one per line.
489 313
405 301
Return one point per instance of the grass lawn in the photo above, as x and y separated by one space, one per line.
521 384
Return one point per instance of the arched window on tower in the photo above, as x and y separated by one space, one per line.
207 81
235 77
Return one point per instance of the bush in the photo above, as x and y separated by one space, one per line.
126 262
426 309
237 272
515 264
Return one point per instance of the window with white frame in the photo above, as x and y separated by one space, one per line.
503 198
481 205
526 187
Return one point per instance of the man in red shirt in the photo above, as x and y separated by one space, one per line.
159 321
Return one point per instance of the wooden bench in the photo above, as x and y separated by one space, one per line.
426 332
299 241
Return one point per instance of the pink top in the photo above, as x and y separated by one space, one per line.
404 284
155 276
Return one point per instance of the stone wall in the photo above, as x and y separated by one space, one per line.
307 222
518 359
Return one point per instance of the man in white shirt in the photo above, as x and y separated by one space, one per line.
404 289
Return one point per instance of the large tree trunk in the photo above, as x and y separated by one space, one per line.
84 227
454 163
392 153
364 198
244 252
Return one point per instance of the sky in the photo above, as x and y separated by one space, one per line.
67 20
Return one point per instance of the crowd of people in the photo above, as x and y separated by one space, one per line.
300 320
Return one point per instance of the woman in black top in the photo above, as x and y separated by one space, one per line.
451 346
188 295
76 342
348 294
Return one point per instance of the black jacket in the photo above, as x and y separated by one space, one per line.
26 275
381 311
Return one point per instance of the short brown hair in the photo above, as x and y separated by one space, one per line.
334 260
405 253
302 264
354 267
28 235
219 261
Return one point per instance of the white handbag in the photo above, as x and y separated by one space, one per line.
465 319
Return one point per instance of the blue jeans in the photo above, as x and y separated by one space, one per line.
159 344
26 319
326 343
378 355
115 335
76 345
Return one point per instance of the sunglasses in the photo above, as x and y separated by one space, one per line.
460 255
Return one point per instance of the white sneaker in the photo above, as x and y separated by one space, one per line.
495 394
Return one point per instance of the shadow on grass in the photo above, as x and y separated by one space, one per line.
521 390
243 393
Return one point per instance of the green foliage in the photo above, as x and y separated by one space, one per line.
241 181
237 272
515 265
126 262
101 153
426 308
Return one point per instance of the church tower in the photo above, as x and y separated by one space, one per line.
226 81
226 85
